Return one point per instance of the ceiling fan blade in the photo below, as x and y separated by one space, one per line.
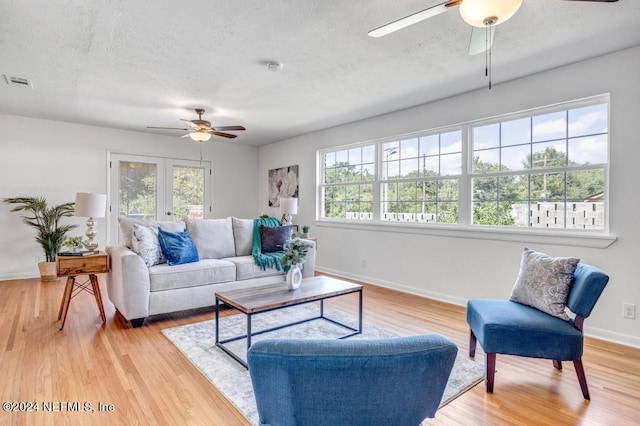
224 135
401 23
168 128
185 136
478 43
227 128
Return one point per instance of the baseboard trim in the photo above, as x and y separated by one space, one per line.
597 333
23 276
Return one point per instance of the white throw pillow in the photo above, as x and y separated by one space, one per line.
146 244
212 237
243 235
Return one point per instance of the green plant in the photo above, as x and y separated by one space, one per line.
46 220
295 252
73 242
305 229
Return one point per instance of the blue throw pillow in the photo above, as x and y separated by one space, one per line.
177 247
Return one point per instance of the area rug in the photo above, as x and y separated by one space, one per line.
197 343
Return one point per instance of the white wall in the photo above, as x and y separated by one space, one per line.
56 160
456 269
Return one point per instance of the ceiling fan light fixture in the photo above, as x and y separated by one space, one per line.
480 13
200 136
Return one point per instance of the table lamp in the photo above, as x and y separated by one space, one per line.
288 206
92 206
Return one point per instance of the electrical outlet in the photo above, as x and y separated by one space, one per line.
629 310
364 263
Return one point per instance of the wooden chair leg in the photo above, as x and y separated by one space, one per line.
557 364
472 344
582 378
490 361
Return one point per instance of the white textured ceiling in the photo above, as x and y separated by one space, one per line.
131 64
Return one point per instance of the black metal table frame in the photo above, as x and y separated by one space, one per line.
249 335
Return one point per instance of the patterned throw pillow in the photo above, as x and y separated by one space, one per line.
544 282
273 238
146 244
177 247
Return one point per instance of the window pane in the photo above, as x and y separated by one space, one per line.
368 171
409 168
448 190
516 158
389 191
486 136
550 126
407 191
450 164
486 161
137 190
485 213
409 148
369 154
485 189
550 154
329 159
342 158
447 212
451 142
547 186
355 156
589 150
586 186
391 169
429 145
355 173
515 132
430 166
342 174
588 120
188 192
429 190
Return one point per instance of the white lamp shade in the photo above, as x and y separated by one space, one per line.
89 204
288 205
200 136
474 12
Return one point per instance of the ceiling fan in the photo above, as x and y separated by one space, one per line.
477 13
201 130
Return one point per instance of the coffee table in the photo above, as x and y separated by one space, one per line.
256 300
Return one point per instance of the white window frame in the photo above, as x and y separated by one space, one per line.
464 228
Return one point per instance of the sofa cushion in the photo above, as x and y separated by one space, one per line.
543 282
126 227
212 237
242 235
207 271
177 247
246 268
146 244
273 238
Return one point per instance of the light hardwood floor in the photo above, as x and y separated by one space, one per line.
147 381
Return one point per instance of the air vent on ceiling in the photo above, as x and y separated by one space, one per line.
18 81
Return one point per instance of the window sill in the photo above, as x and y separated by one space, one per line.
591 240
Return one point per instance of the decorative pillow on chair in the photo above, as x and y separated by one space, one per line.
146 244
543 282
177 247
273 238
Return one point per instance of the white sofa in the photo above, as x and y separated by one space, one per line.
224 247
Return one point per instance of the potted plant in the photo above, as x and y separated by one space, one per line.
305 231
50 233
295 254
73 243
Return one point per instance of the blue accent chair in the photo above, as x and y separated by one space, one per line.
398 381
510 328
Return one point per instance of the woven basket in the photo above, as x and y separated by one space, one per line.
47 271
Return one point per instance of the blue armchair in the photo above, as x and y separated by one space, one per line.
397 381
505 327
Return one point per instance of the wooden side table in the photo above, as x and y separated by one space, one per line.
71 267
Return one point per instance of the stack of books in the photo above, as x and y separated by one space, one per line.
78 253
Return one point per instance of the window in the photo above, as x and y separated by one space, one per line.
348 176
545 168
420 178
541 171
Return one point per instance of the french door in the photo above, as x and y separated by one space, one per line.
155 188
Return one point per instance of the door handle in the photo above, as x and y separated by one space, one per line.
168 213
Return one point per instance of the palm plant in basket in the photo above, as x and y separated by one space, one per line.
46 220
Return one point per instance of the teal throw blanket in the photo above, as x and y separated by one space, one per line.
265 260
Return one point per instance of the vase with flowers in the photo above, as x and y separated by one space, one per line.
295 254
